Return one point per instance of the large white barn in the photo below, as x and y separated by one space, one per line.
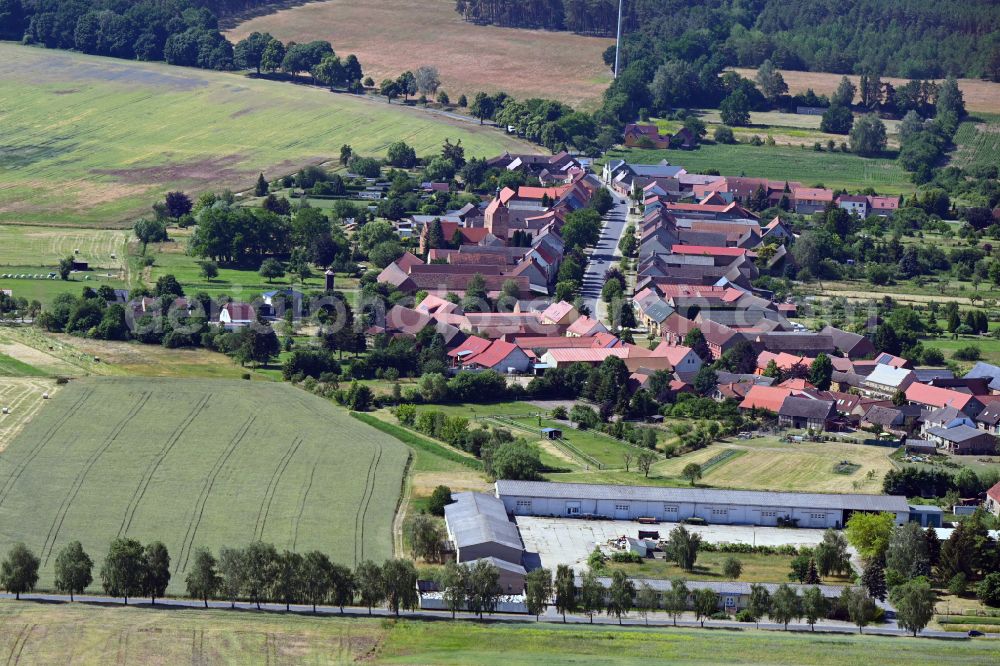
715 506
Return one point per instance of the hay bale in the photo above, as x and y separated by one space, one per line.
45 396
6 410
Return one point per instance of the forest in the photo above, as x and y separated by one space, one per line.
182 32
906 38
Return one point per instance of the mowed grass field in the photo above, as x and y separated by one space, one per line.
979 95
768 464
792 163
81 634
95 141
392 36
44 247
198 463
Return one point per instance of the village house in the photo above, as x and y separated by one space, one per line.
962 439
806 413
884 381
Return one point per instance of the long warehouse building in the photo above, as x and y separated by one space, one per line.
713 505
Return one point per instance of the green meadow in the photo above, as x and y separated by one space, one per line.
92 141
783 162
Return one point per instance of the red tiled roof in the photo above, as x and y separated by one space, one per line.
711 251
936 396
497 351
407 261
470 347
765 397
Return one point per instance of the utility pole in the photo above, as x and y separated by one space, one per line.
618 40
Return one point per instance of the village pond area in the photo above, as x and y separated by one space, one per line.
556 541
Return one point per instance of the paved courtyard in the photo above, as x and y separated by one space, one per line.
569 541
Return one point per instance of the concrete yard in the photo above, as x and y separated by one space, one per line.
569 541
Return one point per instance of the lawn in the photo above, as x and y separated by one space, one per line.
171 258
792 163
593 445
45 290
198 463
756 569
768 464
78 633
450 643
990 347
93 141
469 57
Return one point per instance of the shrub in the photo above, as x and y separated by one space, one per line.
626 556
969 353
745 616
724 134
988 590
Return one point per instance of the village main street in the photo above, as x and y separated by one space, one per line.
603 255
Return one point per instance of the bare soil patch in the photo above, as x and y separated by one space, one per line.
979 95
391 36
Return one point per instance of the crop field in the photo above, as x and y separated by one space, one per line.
91 141
978 141
979 95
469 57
84 634
198 463
23 398
809 167
41 246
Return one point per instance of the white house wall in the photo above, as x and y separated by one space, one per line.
718 514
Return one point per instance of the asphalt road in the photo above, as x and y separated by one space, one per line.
603 255
660 620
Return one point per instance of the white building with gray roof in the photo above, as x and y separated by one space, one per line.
713 505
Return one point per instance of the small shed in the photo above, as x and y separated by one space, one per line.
551 433
920 447
80 264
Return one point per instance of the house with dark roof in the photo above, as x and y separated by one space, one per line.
806 413
236 315
851 345
963 439
645 136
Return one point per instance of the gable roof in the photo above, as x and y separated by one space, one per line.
936 396
806 408
765 397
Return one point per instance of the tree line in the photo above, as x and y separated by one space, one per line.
908 38
257 573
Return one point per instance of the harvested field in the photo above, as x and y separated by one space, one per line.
392 36
979 95
82 634
131 131
198 463
23 398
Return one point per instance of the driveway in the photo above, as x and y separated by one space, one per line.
569 540
602 256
